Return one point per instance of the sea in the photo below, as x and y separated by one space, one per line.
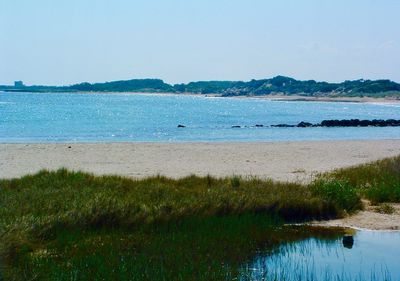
127 117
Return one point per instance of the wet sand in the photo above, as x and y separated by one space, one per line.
369 219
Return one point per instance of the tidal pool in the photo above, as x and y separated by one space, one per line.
370 255
245 248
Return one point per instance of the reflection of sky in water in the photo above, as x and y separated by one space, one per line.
374 256
47 117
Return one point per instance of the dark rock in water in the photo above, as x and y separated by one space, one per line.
304 124
330 123
345 123
283 126
348 241
360 123
259 125
181 126
392 122
236 126
365 123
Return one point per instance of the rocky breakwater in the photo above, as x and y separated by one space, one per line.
345 123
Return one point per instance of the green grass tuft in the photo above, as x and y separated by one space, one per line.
377 181
338 192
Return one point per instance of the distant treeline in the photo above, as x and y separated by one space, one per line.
277 85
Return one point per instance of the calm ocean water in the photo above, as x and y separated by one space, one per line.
373 256
50 117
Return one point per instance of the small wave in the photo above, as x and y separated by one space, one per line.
386 104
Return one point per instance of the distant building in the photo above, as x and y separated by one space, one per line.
19 84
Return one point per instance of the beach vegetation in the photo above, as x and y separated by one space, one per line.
385 208
377 181
69 225
338 192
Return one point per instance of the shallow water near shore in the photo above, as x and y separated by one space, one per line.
373 256
63 117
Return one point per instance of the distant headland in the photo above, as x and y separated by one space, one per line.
279 85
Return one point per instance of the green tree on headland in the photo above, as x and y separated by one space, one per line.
276 85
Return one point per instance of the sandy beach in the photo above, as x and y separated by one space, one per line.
382 100
368 219
286 161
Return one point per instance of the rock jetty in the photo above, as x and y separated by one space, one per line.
345 123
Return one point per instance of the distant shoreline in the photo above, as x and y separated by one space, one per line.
272 97
278 85
331 99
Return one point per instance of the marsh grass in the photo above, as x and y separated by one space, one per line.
339 192
377 181
192 249
63 225
38 205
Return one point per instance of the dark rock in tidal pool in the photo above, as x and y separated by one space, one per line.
181 126
348 241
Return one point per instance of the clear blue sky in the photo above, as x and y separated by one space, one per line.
64 42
